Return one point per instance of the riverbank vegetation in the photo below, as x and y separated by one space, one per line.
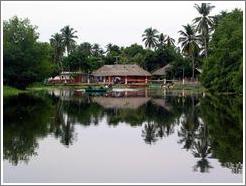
11 91
209 48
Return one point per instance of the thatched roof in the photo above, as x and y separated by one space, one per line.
120 70
121 103
162 71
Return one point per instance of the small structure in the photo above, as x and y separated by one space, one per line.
70 77
162 72
123 74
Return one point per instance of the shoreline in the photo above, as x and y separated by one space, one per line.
193 88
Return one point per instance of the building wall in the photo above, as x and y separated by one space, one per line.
123 79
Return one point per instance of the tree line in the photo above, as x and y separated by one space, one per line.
210 44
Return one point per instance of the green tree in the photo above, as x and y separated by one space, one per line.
68 34
57 43
189 44
25 60
222 71
204 23
150 37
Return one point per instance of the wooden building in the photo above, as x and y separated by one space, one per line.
121 74
70 77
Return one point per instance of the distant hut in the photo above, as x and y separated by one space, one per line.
126 74
162 72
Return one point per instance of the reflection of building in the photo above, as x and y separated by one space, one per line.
121 103
121 74
63 94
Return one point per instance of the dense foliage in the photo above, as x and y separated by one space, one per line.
223 69
25 60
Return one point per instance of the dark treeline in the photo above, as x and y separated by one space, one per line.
210 49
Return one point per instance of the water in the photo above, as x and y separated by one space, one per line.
63 135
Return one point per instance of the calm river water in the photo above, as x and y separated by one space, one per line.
63 135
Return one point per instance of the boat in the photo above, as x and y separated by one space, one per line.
101 89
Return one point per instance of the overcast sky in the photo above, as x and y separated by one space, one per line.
121 23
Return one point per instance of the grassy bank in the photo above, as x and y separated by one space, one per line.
11 91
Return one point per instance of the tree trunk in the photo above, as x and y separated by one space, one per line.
206 48
193 67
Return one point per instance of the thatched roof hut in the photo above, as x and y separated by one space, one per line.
162 71
120 70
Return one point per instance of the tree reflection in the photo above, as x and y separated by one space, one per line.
63 127
25 119
189 124
194 134
201 149
149 133
207 127
224 119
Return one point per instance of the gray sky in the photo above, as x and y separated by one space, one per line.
121 23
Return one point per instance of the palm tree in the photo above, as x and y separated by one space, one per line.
189 44
57 43
68 37
204 23
109 47
169 41
85 48
161 39
150 37
95 49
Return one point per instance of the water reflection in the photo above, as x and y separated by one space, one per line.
206 127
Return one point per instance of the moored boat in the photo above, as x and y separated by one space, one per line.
101 89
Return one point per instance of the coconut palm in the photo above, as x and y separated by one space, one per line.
161 39
68 34
57 43
85 48
109 47
95 49
150 37
204 23
169 41
189 44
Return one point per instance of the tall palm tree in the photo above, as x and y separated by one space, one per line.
161 39
85 48
68 34
57 43
169 41
189 44
109 47
150 37
95 49
204 23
